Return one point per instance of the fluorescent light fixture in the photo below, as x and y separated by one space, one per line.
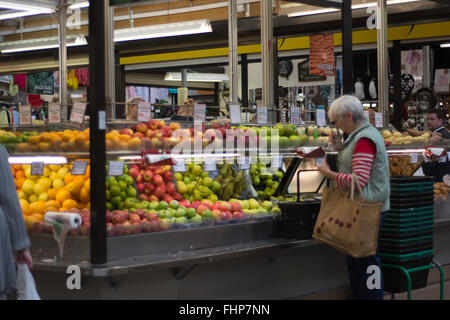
163 30
197 77
25 5
312 12
39 44
11 14
445 45
31 159
79 5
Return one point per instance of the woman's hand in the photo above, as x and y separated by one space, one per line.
326 171
336 141
24 256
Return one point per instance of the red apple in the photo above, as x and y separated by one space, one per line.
146 226
136 227
171 189
236 206
109 216
153 198
178 197
225 206
155 225
201 208
161 124
139 178
167 198
159 193
134 172
134 218
207 203
168 176
216 206
120 217
158 180
127 227
159 170
140 187
149 188
152 216
85 229
148 176
119 229
226 215
141 127
110 229
175 126
238 215
185 203
152 124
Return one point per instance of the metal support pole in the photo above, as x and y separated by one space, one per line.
110 62
267 58
397 97
427 71
232 54
184 78
62 14
244 80
347 48
97 115
382 50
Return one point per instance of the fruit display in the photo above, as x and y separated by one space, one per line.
231 182
264 181
400 164
441 191
120 192
55 141
398 138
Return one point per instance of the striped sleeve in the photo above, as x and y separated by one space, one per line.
362 160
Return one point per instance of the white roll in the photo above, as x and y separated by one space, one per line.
65 220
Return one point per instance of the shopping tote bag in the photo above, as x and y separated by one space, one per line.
348 223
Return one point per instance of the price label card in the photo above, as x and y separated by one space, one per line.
262 115
366 115
79 168
244 163
277 161
210 164
144 111
295 115
182 95
200 113
25 115
414 158
115 168
321 121
78 110
235 114
179 166
54 113
378 119
319 161
37 168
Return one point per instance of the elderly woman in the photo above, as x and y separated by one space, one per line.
362 153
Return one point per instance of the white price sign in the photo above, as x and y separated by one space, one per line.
235 114
179 166
321 121
366 115
277 161
262 115
200 113
210 165
414 158
37 168
295 115
25 115
115 168
79 168
244 163
54 113
144 111
78 110
378 119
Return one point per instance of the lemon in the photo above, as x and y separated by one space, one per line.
53 175
62 172
33 198
27 186
39 188
54 167
58 183
46 182
22 195
46 172
27 172
43 197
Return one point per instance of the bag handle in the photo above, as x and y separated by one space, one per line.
352 189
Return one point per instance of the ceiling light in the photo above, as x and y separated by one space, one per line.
39 44
79 5
11 14
197 77
162 30
31 159
25 5
445 45
312 12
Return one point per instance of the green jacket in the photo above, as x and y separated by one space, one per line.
378 186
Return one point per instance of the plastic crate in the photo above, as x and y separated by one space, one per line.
406 234
412 179
406 227
409 205
412 201
298 219
408 220
413 209
409 215
386 249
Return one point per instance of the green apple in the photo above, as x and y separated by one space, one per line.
181 212
181 220
196 219
253 204
207 182
178 176
163 205
154 205
174 204
190 212
245 204
268 205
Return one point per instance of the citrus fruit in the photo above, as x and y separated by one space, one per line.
63 195
62 172
85 196
28 186
54 167
52 204
21 195
43 197
39 188
69 204
58 183
52 193
45 181
33 198
37 207
25 206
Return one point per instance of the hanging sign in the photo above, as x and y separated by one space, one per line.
321 55
37 168
199 113
41 83
414 158
378 119
144 111
24 114
179 166
79 168
78 110
115 168
210 164
235 114
321 121
244 163
54 113
295 115
262 115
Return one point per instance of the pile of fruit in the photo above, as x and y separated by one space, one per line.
400 165
57 141
441 191
398 138
56 190
120 192
196 184
231 182
265 182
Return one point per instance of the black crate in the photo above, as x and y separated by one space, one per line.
413 202
298 219
412 179
395 280
409 205
405 249
406 235
408 261
405 243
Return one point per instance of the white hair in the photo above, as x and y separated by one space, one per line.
344 104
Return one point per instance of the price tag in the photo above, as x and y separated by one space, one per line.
115 168
235 114
25 115
144 111
37 168
182 95
78 110
244 163
277 161
210 164
321 121
319 161
54 113
295 115
102 120
79 168
262 115
414 158
199 113
179 166
366 115
378 119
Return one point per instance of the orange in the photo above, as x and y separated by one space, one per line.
74 188
134 143
52 193
34 139
17 166
86 146
87 185
69 178
44 146
69 204
88 171
88 205
64 147
81 206
67 136
19 182
124 137
20 173
52 204
63 195
79 180
38 216
37 207
85 197
46 137
52 209
25 206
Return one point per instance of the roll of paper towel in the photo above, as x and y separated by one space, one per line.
66 220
